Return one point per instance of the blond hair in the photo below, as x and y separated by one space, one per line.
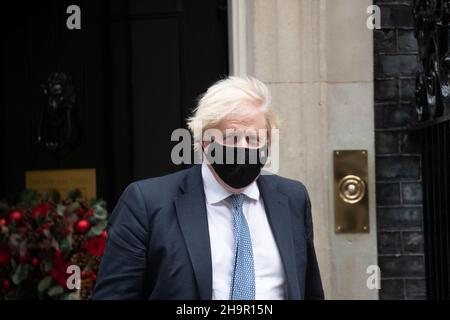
228 96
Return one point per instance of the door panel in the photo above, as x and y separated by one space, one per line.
137 68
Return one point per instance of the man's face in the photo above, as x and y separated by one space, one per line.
245 130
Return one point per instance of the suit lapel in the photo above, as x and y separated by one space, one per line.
192 216
193 219
277 210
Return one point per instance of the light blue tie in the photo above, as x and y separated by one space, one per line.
243 278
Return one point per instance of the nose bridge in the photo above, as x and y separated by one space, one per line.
235 137
242 141
248 138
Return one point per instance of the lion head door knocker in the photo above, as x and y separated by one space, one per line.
56 130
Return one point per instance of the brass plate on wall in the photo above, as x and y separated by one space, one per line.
350 191
63 181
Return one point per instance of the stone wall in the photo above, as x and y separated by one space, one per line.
317 58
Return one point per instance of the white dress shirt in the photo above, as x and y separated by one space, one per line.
269 272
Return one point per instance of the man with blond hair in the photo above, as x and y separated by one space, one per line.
222 229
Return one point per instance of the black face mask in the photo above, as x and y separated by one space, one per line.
243 165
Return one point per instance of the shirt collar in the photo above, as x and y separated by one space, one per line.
214 192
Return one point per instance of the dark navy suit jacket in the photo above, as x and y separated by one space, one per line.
158 243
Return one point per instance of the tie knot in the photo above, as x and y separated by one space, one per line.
237 200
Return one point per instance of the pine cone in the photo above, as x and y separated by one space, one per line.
79 259
97 260
79 241
86 288
27 218
93 262
55 218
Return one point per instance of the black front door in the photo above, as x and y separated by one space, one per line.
134 71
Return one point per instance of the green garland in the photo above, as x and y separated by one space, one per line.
50 248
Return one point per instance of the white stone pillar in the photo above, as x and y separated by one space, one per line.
317 58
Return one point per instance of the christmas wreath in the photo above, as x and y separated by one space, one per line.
48 243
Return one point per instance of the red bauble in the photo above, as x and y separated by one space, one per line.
5 283
41 210
82 226
35 262
3 222
5 256
15 216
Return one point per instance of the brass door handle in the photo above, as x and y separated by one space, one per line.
351 189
